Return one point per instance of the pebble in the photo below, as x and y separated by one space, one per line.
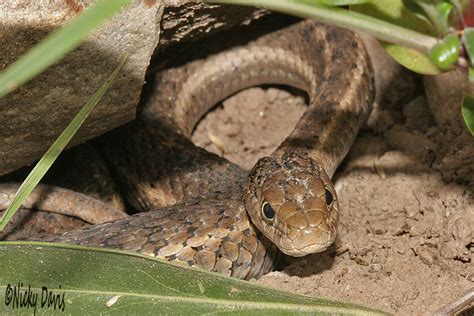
375 267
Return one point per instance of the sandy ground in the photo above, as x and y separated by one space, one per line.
405 239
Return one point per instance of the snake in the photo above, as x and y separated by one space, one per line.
198 208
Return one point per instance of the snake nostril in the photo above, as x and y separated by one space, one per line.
268 211
329 197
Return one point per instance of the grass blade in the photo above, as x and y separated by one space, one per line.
56 148
57 44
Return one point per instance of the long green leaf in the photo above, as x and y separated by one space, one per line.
56 148
344 18
435 15
57 44
467 110
468 43
100 281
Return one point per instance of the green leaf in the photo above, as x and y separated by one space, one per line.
415 9
445 54
56 148
411 59
330 2
468 42
444 9
56 45
100 281
467 110
471 74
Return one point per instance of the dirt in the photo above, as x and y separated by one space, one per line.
405 242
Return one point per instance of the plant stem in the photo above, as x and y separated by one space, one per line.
348 19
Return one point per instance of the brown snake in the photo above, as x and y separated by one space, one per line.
200 208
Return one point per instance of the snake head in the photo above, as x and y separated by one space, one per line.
291 200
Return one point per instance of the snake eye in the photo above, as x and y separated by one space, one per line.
268 211
329 197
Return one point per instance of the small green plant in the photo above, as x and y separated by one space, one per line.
426 36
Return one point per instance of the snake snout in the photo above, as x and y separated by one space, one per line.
307 233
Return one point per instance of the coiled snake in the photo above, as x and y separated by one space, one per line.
202 209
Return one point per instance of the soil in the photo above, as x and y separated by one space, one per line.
405 242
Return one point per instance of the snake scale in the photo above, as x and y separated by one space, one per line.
199 208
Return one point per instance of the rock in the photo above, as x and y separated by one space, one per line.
427 256
444 93
191 20
375 267
35 114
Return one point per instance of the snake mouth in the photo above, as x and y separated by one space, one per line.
315 248
314 240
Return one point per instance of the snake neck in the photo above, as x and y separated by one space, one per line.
338 107
329 64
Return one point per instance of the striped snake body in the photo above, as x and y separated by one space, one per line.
203 210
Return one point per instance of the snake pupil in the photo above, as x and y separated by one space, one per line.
268 211
329 197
